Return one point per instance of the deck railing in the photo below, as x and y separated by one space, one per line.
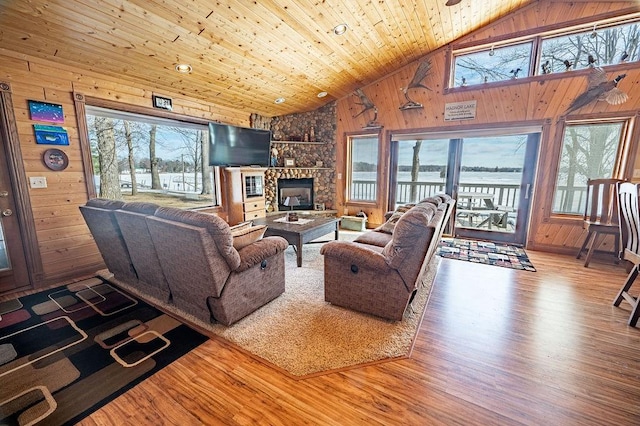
570 200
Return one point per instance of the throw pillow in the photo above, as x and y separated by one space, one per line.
390 224
241 226
247 235
404 208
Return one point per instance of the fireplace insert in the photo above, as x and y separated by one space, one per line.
301 189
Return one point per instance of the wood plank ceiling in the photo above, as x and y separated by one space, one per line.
244 54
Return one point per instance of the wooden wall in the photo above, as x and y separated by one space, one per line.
64 241
537 99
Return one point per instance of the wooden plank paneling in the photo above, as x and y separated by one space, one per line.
244 54
523 100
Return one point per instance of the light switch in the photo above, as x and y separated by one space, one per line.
38 182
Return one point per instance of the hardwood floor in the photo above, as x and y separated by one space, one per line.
497 346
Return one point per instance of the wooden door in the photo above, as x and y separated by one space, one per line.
13 265
14 269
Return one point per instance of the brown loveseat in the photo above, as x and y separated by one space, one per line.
204 275
380 272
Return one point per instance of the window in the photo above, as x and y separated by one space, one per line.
589 151
606 46
601 44
143 158
363 168
492 64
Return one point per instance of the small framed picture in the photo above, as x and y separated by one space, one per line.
51 135
44 111
289 162
318 206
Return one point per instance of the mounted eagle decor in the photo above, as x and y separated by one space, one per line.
421 72
368 105
600 89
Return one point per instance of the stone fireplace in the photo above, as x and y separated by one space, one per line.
313 160
302 189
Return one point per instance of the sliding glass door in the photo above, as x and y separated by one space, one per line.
490 176
494 185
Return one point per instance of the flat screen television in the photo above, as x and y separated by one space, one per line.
238 146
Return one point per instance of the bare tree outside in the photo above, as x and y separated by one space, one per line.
191 145
128 136
153 159
207 185
107 158
415 170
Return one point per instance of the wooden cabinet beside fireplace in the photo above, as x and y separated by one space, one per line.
244 193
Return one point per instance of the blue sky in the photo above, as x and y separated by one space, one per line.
504 151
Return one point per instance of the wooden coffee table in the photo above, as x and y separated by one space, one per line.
299 233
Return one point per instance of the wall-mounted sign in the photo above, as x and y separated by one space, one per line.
163 103
50 135
460 110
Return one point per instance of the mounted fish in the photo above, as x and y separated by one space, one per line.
420 74
368 105
600 89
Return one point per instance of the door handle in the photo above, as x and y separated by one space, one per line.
7 212
4 194
526 192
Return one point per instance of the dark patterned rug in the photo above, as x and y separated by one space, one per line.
67 351
485 252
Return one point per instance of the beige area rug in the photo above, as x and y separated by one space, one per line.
302 334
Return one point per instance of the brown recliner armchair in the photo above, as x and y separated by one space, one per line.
208 277
382 281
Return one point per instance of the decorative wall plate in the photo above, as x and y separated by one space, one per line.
55 159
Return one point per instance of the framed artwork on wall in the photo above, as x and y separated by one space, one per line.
50 135
44 111
55 159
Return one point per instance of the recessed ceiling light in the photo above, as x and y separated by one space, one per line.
279 100
184 68
340 29
322 94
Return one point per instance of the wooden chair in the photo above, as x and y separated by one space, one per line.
600 215
501 219
629 214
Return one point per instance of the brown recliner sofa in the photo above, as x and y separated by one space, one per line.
204 275
99 214
131 219
381 271
208 277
